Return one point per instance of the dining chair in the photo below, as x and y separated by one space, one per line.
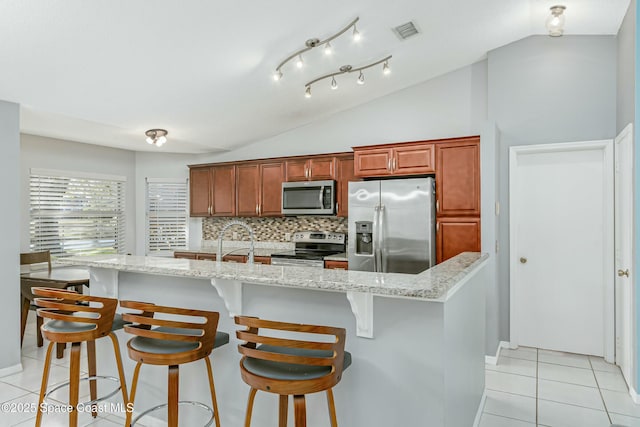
35 260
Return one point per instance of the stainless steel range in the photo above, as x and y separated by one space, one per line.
311 248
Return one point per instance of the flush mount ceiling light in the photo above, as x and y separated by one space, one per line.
349 69
156 137
555 21
316 42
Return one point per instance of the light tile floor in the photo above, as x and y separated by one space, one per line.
19 392
532 387
528 387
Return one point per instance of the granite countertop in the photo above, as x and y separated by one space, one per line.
337 257
434 284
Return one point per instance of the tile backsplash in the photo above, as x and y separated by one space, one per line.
272 229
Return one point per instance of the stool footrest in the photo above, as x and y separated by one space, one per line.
88 378
183 403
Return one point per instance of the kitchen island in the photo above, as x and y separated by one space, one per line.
417 341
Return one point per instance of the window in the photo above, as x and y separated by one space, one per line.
167 216
76 214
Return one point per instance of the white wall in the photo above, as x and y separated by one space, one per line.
546 90
451 105
626 71
48 153
10 215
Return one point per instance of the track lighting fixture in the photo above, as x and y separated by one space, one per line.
348 69
315 42
156 137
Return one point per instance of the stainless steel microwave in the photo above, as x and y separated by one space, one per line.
309 198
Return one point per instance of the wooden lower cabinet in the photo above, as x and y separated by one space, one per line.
207 257
337 265
227 258
262 259
456 235
184 255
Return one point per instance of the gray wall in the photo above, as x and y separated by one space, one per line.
547 90
9 261
625 109
48 153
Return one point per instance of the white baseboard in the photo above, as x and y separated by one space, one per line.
10 370
493 360
476 421
634 395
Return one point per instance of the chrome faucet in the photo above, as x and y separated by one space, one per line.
221 235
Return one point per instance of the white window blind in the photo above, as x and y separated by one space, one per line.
75 215
167 216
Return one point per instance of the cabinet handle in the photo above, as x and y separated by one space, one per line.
209 210
389 165
437 227
437 206
337 207
257 209
395 164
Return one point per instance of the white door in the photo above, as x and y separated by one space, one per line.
624 250
561 229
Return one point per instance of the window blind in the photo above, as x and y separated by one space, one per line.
167 216
75 215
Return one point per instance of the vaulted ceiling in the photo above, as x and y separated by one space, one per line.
104 71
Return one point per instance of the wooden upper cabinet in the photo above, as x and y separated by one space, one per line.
456 235
416 158
271 178
317 168
223 190
345 174
458 178
247 189
200 191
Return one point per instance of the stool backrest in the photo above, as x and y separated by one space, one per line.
143 323
328 353
30 258
69 306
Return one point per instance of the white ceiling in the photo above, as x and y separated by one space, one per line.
104 71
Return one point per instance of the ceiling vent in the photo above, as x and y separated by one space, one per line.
405 31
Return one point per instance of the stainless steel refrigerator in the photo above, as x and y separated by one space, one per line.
392 225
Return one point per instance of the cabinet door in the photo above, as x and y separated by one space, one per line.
224 190
458 178
322 168
337 265
457 235
271 177
206 257
372 162
262 259
184 255
345 174
200 191
248 187
297 170
414 160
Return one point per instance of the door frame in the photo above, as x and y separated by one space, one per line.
606 146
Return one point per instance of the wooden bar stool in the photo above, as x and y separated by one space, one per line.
291 366
172 343
75 318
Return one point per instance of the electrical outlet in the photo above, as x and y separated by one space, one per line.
287 237
235 235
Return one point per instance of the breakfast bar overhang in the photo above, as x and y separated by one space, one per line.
417 341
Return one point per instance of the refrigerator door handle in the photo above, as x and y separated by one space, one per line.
376 211
382 243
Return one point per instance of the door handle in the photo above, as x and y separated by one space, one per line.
389 165
623 273
523 260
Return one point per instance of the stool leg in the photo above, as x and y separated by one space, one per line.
332 408
45 381
74 383
60 350
174 377
284 407
39 341
93 386
252 395
123 382
132 397
300 411
214 401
